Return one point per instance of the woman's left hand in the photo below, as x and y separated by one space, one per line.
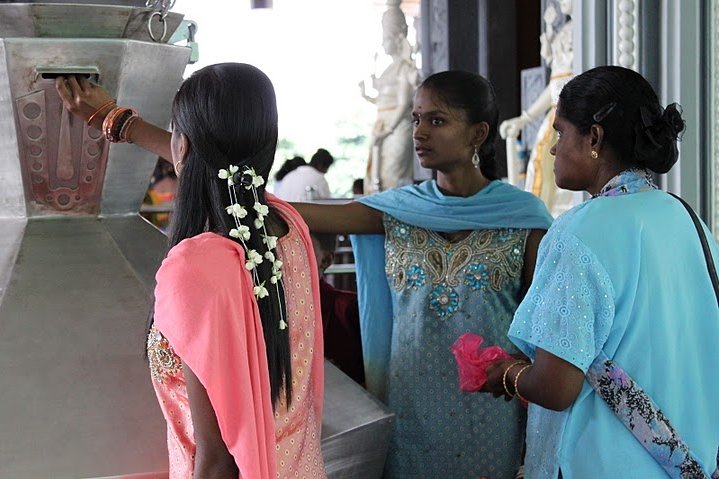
495 376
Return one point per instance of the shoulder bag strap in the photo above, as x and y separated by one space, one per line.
705 245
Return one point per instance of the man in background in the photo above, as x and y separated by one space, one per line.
307 182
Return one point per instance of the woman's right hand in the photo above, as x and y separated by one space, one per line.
83 98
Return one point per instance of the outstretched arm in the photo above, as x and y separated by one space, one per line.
350 218
83 98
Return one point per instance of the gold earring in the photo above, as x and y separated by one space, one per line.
475 158
595 155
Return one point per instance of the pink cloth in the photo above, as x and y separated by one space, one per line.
206 311
472 360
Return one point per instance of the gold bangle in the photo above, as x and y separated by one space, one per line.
516 382
504 377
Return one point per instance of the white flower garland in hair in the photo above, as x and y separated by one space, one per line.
250 180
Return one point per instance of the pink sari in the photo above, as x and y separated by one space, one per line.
206 311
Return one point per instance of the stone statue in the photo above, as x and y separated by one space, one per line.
391 161
556 49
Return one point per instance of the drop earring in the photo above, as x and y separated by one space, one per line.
475 158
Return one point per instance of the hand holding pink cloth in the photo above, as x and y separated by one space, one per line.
472 360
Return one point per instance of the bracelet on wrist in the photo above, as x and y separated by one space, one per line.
100 109
504 376
117 124
516 382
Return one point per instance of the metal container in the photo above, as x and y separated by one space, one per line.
77 262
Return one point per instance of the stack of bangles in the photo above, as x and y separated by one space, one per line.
117 123
525 366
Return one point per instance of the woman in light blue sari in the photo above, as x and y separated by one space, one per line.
621 321
442 258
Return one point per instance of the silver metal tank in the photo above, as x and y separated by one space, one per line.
77 262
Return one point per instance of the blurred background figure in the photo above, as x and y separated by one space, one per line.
160 194
340 314
288 166
307 182
391 161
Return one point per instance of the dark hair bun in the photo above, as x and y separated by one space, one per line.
657 133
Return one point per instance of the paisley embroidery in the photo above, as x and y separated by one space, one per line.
485 259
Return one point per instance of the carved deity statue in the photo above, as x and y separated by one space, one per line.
557 51
391 161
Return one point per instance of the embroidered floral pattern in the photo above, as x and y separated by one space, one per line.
443 301
163 360
485 259
639 413
477 276
416 276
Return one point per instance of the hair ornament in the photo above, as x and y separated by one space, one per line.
270 241
236 210
672 116
604 111
253 259
260 291
262 211
242 232
657 133
229 174
248 179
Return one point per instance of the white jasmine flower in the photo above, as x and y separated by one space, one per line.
270 256
236 210
277 264
283 325
241 231
224 174
257 181
253 259
244 232
262 210
270 241
259 223
260 291
234 169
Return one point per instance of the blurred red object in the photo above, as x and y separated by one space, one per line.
473 359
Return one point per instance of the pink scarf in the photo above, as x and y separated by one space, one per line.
205 307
